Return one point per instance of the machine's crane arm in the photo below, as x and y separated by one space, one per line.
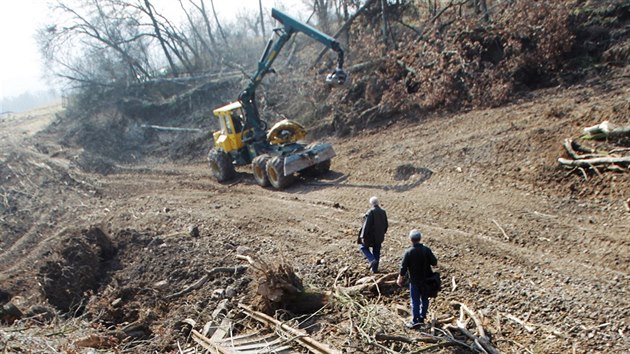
289 27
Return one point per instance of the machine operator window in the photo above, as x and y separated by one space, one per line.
238 125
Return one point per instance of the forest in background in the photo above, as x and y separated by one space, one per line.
128 65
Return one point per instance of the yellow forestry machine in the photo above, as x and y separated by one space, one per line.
275 154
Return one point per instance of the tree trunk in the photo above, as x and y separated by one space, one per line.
204 43
204 15
158 34
262 21
386 30
343 28
216 18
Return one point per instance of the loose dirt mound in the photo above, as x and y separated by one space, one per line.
85 260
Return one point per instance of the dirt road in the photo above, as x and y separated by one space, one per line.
516 236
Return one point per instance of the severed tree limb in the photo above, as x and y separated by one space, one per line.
249 259
482 340
300 335
527 327
602 131
358 288
449 336
507 238
590 163
579 147
177 129
571 145
465 309
482 344
531 326
408 340
367 65
199 283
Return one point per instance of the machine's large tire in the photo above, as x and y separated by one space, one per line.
319 168
322 167
275 173
221 165
259 169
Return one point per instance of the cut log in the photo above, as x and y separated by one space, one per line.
597 161
605 130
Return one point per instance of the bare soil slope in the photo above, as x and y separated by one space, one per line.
515 234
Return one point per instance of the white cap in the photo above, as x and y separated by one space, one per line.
415 235
374 201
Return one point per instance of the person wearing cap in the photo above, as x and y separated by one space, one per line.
373 233
416 265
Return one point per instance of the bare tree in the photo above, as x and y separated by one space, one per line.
158 34
101 27
262 20
320 8
193 27
202 10
385 29
216 18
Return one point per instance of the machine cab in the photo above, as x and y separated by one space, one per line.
231 122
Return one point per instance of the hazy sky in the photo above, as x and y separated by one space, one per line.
20 62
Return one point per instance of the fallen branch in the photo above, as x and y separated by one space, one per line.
408 340
177 129
464 309
570 146
199 283
603 131
527 327
482 340
530 327
507 238
300 336
366 286
594 161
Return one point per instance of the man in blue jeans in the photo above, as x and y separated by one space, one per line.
416 264
373 233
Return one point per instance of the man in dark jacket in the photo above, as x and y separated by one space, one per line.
373 233
416 264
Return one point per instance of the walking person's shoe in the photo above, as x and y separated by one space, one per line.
373 266
413 324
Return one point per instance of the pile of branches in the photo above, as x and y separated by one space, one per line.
375 324
612 155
